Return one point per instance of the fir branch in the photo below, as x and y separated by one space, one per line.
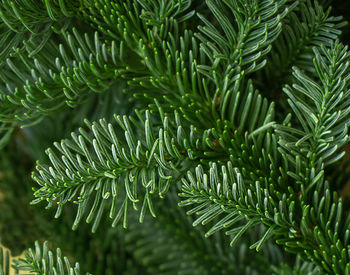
64 73
236 48
313 230
71 78
24 21
241 108
117 158
41 262
244 41
170 54
306 26
23 16
237 205
252 172
322 113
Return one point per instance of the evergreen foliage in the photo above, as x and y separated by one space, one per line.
42 261
197 137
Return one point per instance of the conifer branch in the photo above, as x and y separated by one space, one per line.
244 41
307 26
201 123
170 54
235 205
322 114
128 157
41 261
23 22
67 73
